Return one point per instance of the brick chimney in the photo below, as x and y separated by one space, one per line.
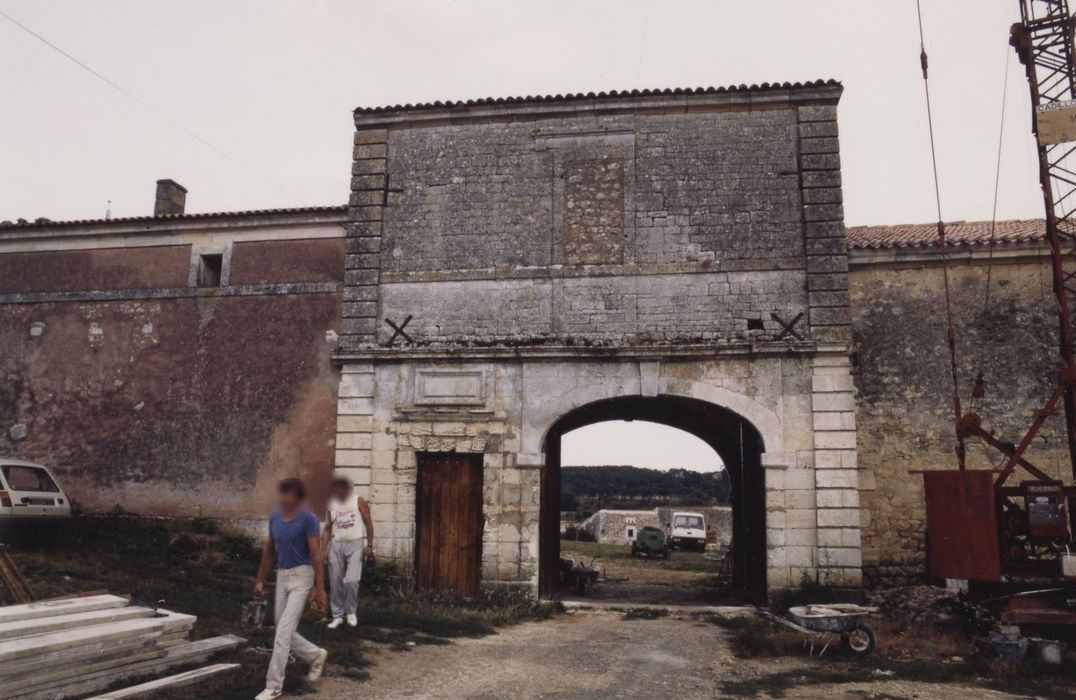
171 198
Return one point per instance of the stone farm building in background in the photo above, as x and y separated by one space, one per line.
507 271
621 527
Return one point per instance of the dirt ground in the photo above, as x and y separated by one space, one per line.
505 644
688 578
605 653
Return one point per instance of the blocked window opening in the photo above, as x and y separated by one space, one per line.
210 270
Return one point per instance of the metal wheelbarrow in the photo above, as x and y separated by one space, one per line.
824 624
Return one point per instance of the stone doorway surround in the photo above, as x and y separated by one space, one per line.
391 410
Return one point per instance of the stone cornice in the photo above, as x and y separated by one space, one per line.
923 256
560 353
724 100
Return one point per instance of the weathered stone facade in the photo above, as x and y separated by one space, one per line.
548 256
904 390
147 393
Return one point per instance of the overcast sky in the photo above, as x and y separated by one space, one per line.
639 444
272 85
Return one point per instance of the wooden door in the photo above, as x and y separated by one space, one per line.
449 521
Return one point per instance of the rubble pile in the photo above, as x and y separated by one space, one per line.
919 604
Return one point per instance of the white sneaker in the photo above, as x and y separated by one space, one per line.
352 620
317 667
268 695
337 621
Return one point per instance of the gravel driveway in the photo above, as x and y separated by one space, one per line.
597 653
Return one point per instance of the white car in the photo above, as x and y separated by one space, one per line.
29 491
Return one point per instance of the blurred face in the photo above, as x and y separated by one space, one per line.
289 500
341 490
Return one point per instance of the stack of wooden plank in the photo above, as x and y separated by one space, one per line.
72 647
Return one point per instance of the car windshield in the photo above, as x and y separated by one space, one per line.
20 478
689 521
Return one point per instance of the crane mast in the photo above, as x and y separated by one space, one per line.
1044 42
980 527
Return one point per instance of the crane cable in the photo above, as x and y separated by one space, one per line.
951 332
997 184
978 392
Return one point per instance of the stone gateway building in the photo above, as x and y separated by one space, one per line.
518 269
507 271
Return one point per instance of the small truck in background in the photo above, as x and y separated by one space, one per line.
687 530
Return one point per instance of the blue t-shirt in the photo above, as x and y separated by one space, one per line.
289 538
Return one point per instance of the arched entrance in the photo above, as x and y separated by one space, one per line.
734 438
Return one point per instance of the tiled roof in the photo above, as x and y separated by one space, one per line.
957 233
48 223
536 99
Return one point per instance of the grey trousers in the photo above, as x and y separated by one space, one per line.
345 571
292 589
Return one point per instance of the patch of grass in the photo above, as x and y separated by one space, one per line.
204 569
752 637
680 561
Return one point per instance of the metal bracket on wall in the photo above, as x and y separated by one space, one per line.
788 327
398 330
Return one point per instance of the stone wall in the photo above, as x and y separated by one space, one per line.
549 253
620 221
612 526
150 395
904 395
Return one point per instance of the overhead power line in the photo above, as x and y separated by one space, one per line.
145 105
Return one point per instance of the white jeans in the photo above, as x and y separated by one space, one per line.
292 589
345 571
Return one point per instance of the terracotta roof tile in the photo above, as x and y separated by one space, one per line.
48 223
535 99
957 233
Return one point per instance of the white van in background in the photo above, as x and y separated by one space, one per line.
29 491
687 531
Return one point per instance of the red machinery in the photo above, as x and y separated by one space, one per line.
980 526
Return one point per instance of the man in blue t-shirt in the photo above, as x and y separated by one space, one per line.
295 543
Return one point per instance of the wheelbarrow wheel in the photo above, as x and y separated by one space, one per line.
859 641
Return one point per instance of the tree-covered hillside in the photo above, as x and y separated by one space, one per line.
588 489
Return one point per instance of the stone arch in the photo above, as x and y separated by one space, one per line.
543 415
732 435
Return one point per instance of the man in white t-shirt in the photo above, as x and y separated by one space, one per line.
351 533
